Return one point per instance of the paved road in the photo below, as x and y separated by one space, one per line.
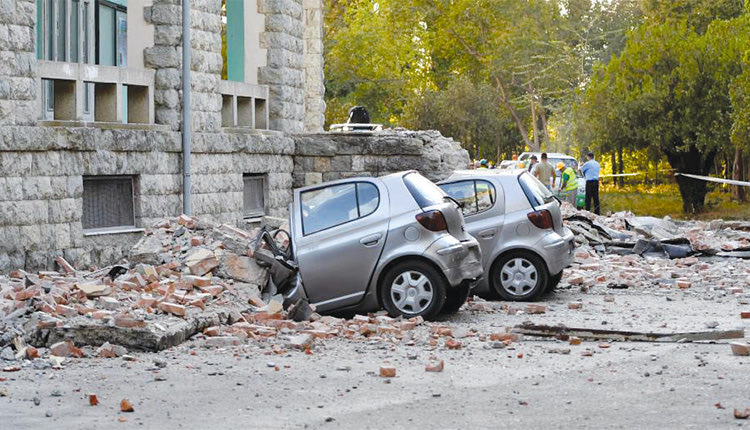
532 384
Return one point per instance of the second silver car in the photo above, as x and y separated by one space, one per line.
519 226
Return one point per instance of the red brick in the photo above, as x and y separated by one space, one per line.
681 284
172 308
97 315
126 406
387 371
212 331
435 367
739 348
214 290
129 322
196 240
744 315
66 311
453 344
65 349
93 400
575 305
535 309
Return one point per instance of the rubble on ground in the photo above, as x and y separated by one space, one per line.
622 251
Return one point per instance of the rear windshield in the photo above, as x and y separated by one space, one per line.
424 192
535 191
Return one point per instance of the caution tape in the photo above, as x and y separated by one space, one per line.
712 179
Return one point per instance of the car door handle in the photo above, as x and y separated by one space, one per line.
371 240
488 234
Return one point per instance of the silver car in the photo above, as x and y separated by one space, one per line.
518 223
396 242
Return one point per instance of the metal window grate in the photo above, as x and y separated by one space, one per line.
253 195
108 202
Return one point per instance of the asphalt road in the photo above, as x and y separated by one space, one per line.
530 384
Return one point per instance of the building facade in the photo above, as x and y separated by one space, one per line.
90 117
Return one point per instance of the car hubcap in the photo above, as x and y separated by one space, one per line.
518 276
411 292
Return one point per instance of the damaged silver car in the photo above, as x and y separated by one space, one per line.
519 226
396 242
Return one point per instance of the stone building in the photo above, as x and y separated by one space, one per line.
90 120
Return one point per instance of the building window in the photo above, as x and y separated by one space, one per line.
233 40
112 33
253 196
108 203
63 29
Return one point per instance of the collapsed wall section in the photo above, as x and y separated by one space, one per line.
323 157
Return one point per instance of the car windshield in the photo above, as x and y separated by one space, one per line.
536 192
424 192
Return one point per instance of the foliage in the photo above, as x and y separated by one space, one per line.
667 92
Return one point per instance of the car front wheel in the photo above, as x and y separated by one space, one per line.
519 276
413 288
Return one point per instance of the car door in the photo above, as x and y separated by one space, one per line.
339 230
482 210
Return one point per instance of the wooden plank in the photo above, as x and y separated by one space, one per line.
563 333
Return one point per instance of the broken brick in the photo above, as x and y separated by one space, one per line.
387 372
126 406
93 400
172 308
66 349
575 305
739 348
453 344
435 367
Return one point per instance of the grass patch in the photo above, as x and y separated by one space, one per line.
664 200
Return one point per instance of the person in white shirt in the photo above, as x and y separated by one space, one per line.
590 170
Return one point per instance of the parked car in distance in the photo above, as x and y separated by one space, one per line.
396 242
553 158
519 226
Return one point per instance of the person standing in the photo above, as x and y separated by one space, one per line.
544 172
482 164
590 170
532 163
568 183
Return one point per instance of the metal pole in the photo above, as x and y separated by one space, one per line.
187 201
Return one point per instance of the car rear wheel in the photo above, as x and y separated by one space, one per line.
519 276
413 288
455 298
553 281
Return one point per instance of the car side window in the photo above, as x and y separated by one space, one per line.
368 198
485 195
464 193
323 208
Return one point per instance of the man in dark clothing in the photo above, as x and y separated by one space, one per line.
590 170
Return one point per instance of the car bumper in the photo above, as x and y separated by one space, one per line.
558 250
460 260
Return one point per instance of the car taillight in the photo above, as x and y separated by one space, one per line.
541 219
432 220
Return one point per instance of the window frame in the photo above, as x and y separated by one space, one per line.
254 176
117 228
493 195
356 197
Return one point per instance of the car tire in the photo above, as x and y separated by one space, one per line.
413 288
554 280
519 276
455 298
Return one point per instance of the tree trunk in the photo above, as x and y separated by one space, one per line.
620 179
738 175
543 116
692 191
614 167
516 119
532 104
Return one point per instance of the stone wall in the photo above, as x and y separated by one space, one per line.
17 62
329 156
315 106
41 185
285 70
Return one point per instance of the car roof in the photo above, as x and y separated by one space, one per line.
484 173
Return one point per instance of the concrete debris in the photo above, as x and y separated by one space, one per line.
739 348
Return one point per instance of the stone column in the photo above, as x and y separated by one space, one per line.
17 63
315 106
285 71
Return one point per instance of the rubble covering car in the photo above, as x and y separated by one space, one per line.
396 242
519 226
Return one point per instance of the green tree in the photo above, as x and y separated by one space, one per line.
669 91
